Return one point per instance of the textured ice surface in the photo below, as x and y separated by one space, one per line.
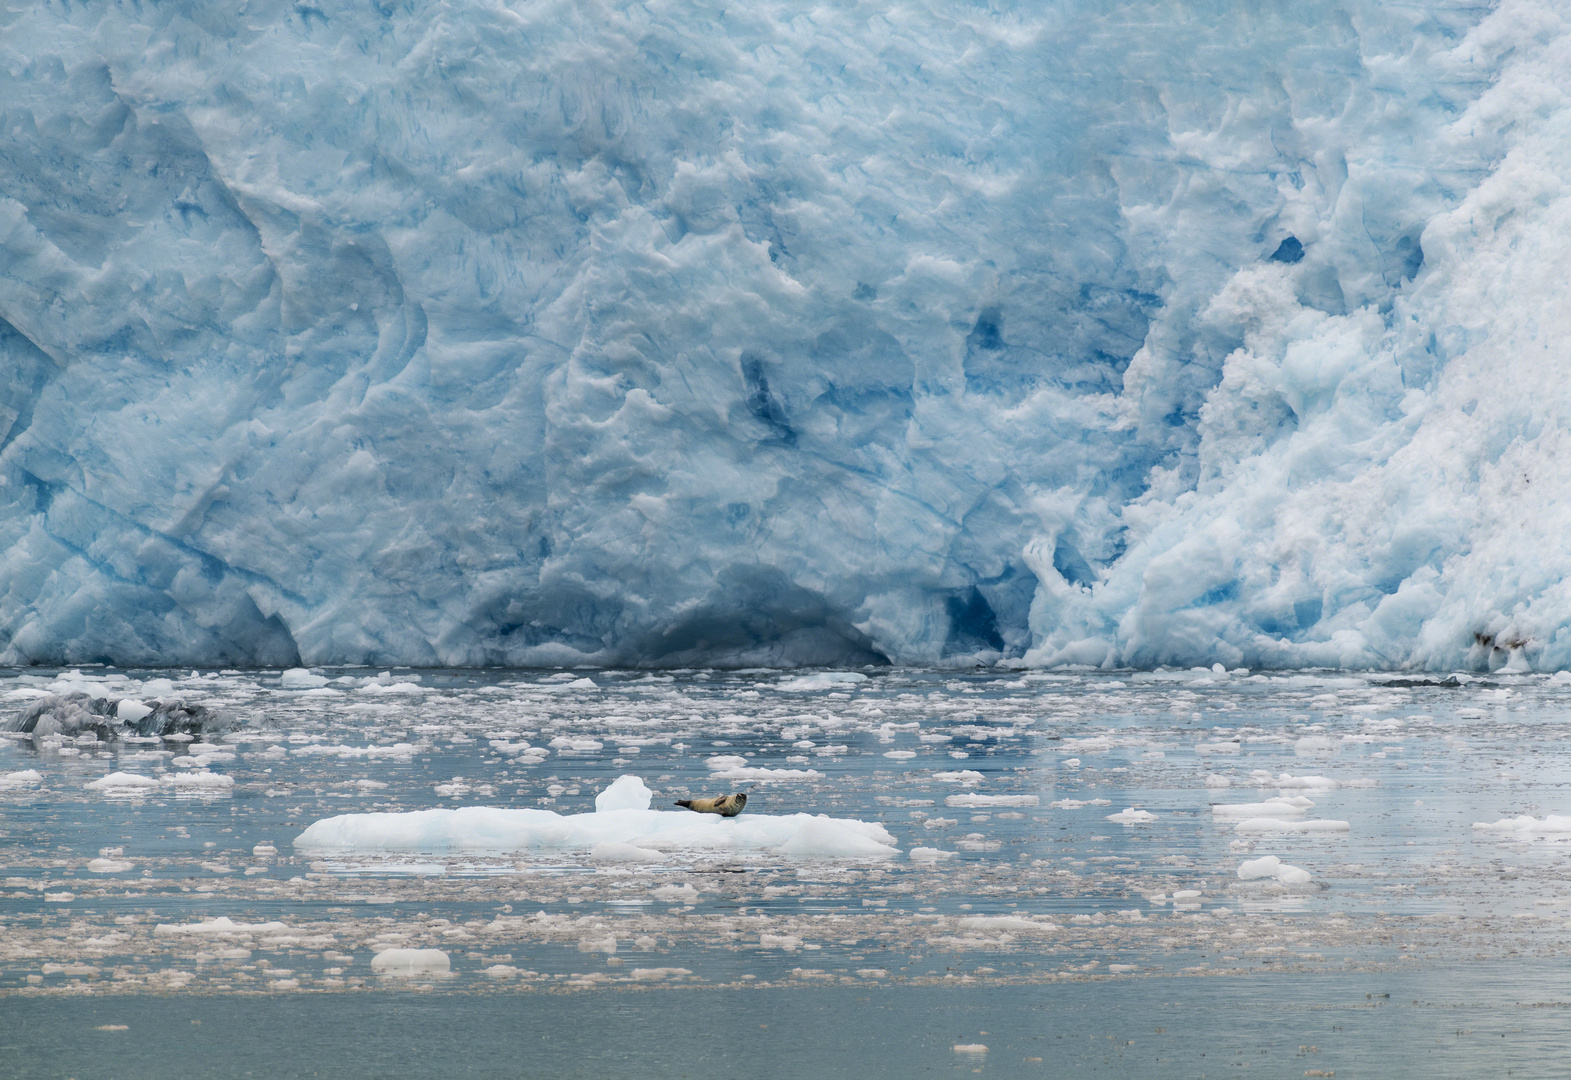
539 333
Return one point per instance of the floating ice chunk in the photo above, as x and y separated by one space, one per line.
301 679
929 855
109 866
123 782
675 894
1265 826
1131 816
822 680
396 688
221 925
130 710
973 800
1005 922
961 776
478 828
1269 866
200 781
900 755
970 1048
579 744
1526 825
21 778
411 963
658 974
1316 745
779 941
598 941
626 792
1316 783
1076 804
726 761
757 773
1214 780
1282 807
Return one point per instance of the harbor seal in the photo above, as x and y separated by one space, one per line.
725 805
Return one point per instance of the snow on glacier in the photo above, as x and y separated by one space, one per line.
539 333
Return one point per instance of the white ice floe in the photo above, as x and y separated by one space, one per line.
929 855
973 800
1316 745
479 828
21 778
1076 804
1527 826
759 773
108 866
823 680
1269 866
117 782
1265 826
1215 780
1282 807
221 925
301 679
412 963
959 776
1130 816
1313 783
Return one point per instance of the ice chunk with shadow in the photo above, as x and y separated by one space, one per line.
78 714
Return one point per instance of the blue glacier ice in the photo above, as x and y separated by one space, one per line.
529 332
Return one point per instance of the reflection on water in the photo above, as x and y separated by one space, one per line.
1054 832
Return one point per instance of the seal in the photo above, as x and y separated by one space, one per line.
725 805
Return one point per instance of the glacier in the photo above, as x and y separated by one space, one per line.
520 332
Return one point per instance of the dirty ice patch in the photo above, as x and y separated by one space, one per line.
480 828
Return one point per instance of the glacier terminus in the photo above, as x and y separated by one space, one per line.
533 333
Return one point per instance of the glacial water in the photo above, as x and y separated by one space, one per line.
1066 857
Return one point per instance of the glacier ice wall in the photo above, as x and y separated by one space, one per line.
543 333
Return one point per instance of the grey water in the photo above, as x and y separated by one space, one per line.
1060 882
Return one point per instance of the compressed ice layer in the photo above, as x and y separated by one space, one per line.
611 835
658 335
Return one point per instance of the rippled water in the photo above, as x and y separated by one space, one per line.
1056 886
